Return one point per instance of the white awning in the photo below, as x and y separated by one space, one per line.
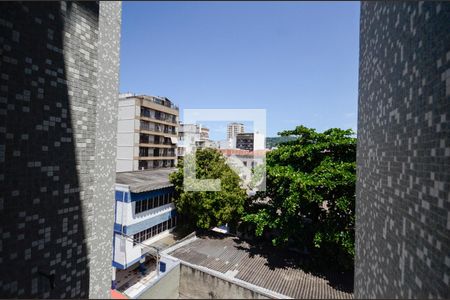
174 140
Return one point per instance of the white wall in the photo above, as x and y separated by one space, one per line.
126 253
119 249
125 126
124 165
126 137
259 142
125 152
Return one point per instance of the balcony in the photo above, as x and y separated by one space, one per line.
158 116
153 145
147 126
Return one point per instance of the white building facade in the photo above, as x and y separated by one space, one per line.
192 134
144 214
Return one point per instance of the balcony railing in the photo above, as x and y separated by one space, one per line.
152 115
152 127
143 154
147 141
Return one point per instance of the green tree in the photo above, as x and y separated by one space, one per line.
206 209
311 192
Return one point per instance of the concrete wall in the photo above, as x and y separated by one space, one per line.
197 284
58 106
101 212
166 288
403 157
127 139
126 254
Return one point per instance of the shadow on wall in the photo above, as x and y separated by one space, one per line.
43 249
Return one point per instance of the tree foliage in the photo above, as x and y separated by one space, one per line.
206 209
275 141
311 192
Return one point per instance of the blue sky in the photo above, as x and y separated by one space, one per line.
297 60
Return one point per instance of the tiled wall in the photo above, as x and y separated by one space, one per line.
403 199
58 106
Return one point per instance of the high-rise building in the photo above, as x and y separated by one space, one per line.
403 155
245 141
146 133
233 129
204 133
58 96
250 141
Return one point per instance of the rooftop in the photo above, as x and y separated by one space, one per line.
156 99
267 268
147 180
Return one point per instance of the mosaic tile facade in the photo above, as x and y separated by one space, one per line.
58 108
403 199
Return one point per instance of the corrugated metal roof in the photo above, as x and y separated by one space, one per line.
147 180
230 254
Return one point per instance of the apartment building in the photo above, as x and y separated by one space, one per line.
204 133
146 133
144 215
244 141
192 134
250 141
233 129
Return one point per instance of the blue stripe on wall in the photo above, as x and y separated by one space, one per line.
117 265
119 195
130 197
120 266
122 196
118 228
147 195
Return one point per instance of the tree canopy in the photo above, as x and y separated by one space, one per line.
206 209
311 192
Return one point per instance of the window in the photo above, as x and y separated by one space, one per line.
144 205
154 230
144 138
143 165
150 203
